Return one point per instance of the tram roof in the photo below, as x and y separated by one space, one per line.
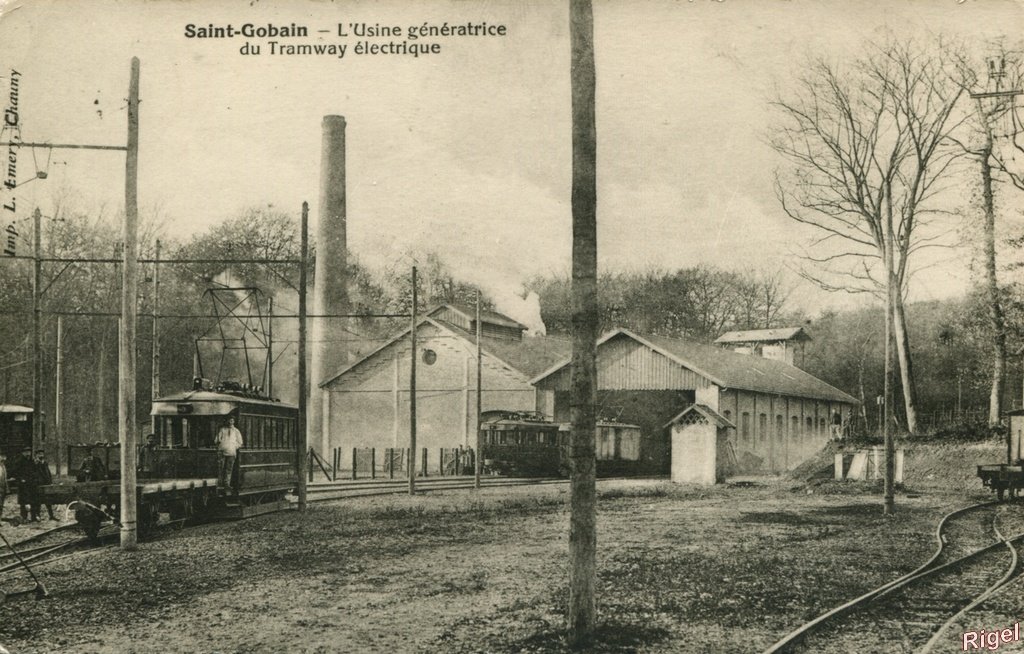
15 408
214 397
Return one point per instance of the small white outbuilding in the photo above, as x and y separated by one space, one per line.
700 445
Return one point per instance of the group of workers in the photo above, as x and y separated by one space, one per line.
32 473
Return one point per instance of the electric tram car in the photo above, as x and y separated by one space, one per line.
526 444
177 475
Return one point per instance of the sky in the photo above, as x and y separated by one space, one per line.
465 152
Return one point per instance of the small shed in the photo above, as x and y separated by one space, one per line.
700 446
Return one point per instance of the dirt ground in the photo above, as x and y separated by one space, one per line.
724 569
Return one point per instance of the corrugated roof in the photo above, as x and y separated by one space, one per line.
761 335
729 369
492 317
530 356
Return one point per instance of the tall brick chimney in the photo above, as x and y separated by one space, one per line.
330 293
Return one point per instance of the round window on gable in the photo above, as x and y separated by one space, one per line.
429 357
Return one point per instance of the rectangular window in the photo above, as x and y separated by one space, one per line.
629 444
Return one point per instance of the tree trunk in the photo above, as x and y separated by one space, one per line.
583 396
995 307
906 363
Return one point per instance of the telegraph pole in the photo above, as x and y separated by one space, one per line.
57 409
303 437
479 399
412 392
129 316
155 387
37 329
583 390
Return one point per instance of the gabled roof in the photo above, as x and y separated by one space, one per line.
492 317
728 369
528 356
712 416
764 335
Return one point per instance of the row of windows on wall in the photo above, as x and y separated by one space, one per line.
780 425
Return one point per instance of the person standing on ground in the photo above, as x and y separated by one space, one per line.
43 478
24 471
837 426
228 440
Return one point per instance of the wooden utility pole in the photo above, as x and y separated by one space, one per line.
129 316
412 392
155 387
479 397
583 392
58 414
303 437
891 289
37 329
270 350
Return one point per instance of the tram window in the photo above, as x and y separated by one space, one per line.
605 443
629 445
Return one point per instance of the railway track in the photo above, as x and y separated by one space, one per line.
322 492
976 557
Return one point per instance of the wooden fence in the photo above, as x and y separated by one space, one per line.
392 463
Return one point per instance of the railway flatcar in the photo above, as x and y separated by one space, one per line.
525 443
1006 479
177 470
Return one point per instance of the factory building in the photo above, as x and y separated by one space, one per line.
367 401
781 414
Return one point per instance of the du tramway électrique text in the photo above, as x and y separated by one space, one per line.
359 30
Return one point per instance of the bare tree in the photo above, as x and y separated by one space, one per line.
868 157
999 128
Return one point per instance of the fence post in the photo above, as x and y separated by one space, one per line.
373 463
309 463
390 454
354 454
424 462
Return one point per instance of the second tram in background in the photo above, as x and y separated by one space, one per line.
177 475
526 444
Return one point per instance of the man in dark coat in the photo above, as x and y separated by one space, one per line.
44 478
92 468
27 474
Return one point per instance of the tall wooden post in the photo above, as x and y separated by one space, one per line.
303 437
155 387
58 412
412 391
583 392
889 490
270 350
479 396
129 315
37 328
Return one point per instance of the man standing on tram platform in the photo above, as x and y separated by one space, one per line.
228 440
